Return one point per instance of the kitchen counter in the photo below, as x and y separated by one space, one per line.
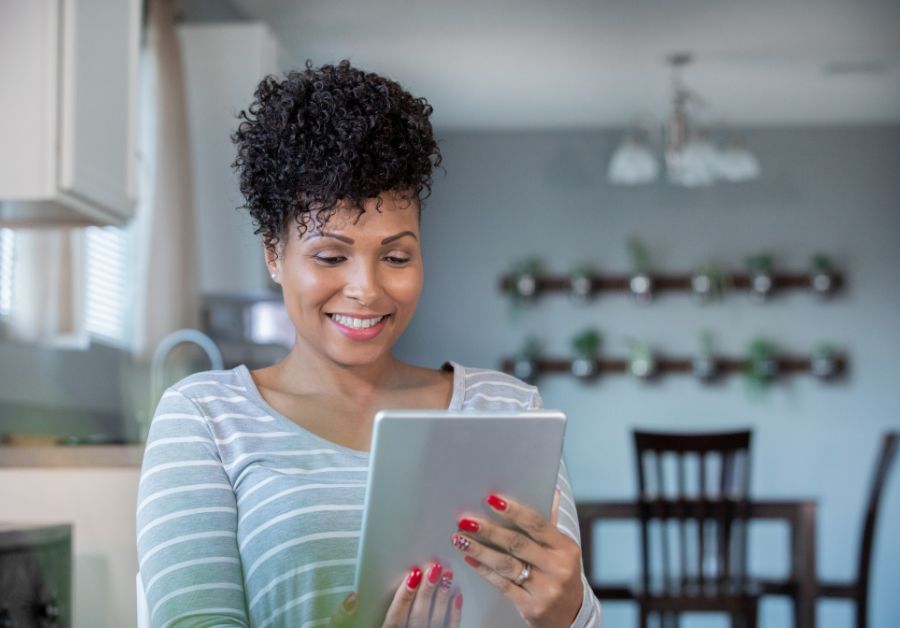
71 456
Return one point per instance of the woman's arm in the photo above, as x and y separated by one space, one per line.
187 524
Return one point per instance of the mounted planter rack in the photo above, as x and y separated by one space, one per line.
785 365
667 283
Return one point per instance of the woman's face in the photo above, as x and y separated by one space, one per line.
351 287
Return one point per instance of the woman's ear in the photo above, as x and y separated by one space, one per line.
273 264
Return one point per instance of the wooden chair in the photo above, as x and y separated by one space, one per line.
858 589
704 523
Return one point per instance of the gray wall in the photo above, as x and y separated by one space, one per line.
508 196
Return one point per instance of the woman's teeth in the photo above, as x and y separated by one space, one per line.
356 323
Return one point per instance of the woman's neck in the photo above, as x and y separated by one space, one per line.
304 372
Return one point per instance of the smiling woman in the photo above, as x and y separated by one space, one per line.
253 482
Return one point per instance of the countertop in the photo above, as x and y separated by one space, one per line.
71 456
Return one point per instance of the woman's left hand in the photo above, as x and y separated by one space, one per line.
550 593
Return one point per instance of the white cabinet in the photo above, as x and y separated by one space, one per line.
223 63
68 111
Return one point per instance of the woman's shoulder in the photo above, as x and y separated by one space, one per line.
489 389
203 385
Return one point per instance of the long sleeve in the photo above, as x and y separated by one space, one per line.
187 524
591 614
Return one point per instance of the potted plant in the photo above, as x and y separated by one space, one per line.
761 281
710 282
762 363
822 276
586 347
581 283
704 365
524 282
640 283
525 366
823 362
641 361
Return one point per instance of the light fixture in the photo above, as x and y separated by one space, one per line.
691 158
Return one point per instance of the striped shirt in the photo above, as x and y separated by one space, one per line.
244 518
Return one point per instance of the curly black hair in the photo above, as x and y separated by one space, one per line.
326 135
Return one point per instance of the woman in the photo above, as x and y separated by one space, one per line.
252 486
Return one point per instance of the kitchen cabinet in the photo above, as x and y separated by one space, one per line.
68 111
223 63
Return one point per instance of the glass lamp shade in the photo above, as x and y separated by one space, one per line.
632 164
692 165
736 164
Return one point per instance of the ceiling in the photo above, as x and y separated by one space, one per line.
508 64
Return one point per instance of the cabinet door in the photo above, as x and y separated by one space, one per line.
99 42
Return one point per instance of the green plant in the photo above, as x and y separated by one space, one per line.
523 284
531 348
641 362
587 343
821 263
761 263
719 280
762 365
640 257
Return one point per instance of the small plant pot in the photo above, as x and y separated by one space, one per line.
704 368
641 286
584 368
761 285
581 287
822 283
525 369
526 286
702 286
642 367
823 366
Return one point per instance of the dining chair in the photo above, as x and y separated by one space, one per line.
693 491
857 590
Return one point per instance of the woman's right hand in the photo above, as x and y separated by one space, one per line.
412 605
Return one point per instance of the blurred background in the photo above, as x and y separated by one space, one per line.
627 189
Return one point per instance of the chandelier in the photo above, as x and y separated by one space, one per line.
690 158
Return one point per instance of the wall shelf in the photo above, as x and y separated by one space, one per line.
667 282
786 365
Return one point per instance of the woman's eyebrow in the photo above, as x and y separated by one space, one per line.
387 240
398 236
325 234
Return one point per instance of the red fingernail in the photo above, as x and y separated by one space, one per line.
447 579
458 602
472 561
467 525
415 577
496 502
434 573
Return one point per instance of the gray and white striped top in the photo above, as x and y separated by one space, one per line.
244 518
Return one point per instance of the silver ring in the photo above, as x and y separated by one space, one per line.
523 576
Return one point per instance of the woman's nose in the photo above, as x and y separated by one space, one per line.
363 284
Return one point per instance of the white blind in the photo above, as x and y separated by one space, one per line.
7 250
107 273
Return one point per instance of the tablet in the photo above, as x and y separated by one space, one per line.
427 467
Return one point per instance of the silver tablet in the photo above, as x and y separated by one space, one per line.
428 467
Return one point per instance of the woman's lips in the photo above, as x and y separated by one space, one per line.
360 334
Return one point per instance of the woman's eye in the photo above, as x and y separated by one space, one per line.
397 261
329 260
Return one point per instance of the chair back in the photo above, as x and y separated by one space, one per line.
693 491
882 465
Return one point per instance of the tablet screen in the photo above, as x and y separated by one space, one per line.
427 468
